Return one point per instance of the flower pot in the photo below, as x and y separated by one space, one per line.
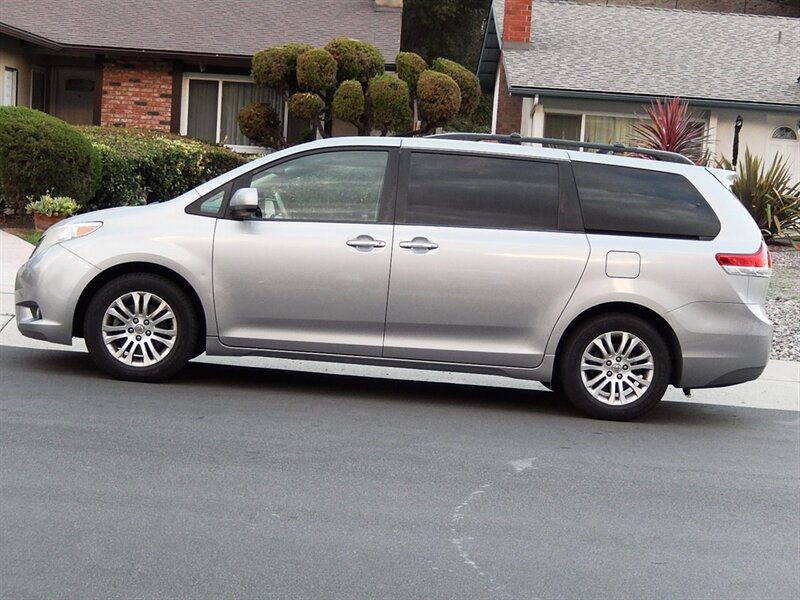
42 222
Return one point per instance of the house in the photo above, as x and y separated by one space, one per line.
179 65
585 70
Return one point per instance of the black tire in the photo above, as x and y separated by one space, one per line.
617 386
149 356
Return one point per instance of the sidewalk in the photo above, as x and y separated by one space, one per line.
777 388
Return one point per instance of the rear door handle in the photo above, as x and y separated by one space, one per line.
419 244
365 243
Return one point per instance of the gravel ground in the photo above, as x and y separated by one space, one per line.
783 303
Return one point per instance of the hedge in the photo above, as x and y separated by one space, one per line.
40 154
142 165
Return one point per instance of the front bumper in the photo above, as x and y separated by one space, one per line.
46 292
721 343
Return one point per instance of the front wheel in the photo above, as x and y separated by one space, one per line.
615 367
140 327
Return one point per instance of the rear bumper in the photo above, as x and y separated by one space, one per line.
721 343
46 292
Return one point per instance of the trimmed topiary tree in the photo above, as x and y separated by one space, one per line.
439 98
261 124
316 71
390 102
276 67
349 102
468 84
346 80
409 67
356 60
40 154
306 106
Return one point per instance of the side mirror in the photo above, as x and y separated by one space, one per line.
244 203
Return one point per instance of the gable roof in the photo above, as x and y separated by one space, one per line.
199 27
589 49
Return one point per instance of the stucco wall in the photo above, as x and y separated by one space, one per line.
756 133
11 56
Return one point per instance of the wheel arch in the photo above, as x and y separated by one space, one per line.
628 308
139 267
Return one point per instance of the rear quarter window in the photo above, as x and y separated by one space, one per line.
631 201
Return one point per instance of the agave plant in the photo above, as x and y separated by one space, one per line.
768 193
673 128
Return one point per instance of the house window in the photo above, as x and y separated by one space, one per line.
211 105
563 127
10 78
598 129
784 133
608 130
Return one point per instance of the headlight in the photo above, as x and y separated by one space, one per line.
61 233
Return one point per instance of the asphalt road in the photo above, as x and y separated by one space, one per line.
235 482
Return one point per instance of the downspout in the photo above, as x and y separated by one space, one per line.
496 98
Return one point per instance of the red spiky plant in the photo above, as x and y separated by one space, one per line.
673 128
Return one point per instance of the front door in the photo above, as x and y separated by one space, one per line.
73 95
480 272
311 273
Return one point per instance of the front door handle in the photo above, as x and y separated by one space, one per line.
419 244
365 243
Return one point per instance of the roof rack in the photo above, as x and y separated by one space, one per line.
516 138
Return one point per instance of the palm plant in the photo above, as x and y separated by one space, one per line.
673 128
767 192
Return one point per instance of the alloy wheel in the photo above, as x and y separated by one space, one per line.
617 368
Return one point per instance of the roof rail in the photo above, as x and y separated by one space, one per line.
516 138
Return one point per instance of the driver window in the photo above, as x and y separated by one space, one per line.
333 186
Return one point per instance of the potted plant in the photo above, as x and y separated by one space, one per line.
48 210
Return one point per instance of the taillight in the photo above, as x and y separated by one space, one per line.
758 264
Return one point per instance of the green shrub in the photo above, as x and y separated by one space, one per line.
357 60
316 71
40 154
468 84
767 193
305 105
390 100
439 98
409 67
348 101
143 165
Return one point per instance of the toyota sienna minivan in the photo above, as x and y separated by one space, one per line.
605 277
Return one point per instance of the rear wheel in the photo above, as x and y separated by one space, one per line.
140 327
615 367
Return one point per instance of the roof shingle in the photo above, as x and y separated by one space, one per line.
658 52
232 28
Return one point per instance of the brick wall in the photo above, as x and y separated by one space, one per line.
509 108
137 93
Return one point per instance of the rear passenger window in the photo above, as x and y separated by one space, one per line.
472 191
637 201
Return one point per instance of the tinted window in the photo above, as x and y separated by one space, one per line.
625 200
472 191
333 186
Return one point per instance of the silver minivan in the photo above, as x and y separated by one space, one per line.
605 277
